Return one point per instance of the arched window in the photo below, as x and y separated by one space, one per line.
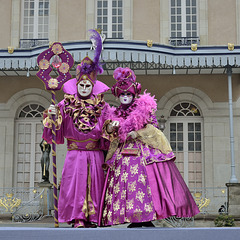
27 149
31 111
185 109
185 125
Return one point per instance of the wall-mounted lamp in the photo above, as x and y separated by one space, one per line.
162 122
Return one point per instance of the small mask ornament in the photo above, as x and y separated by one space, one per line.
85 88
230 46
194 47
126 98
149 43
10 50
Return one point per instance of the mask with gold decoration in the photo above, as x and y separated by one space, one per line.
87 71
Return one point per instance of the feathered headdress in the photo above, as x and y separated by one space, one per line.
126 82
88 68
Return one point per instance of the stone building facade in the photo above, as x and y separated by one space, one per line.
186 53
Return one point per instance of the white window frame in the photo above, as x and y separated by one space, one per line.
33 151
35 24
109 33
184 39
33 119
185 121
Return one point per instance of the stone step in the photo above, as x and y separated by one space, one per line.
23 233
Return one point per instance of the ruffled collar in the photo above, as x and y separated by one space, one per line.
70 87
84 112
123 112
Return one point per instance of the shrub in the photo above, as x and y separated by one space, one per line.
224 220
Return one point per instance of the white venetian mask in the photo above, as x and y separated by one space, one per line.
126 98
85 88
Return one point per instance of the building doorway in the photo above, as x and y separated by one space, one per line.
185 134
28 132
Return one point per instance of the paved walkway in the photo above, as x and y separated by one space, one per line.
48 222
45 222
44 230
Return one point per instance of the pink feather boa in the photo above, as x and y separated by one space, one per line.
140 116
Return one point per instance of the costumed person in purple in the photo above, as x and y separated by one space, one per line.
142 182
80 118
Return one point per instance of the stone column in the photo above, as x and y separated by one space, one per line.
233 178
233 199
46 196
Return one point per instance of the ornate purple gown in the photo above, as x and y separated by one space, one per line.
80 122
145 187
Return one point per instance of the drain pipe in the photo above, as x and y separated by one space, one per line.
229 74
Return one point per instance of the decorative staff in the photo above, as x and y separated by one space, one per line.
53 84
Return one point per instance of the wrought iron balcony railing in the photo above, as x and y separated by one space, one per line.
183 41
25 204
29 43
211 200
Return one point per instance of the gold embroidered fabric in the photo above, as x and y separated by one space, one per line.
112 148
88 144
133 201
84 112
88 205
72 146
91 145
155 138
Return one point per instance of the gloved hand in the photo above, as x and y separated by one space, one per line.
52 109
132 134
113 126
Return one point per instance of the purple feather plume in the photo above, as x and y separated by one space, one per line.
96 38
